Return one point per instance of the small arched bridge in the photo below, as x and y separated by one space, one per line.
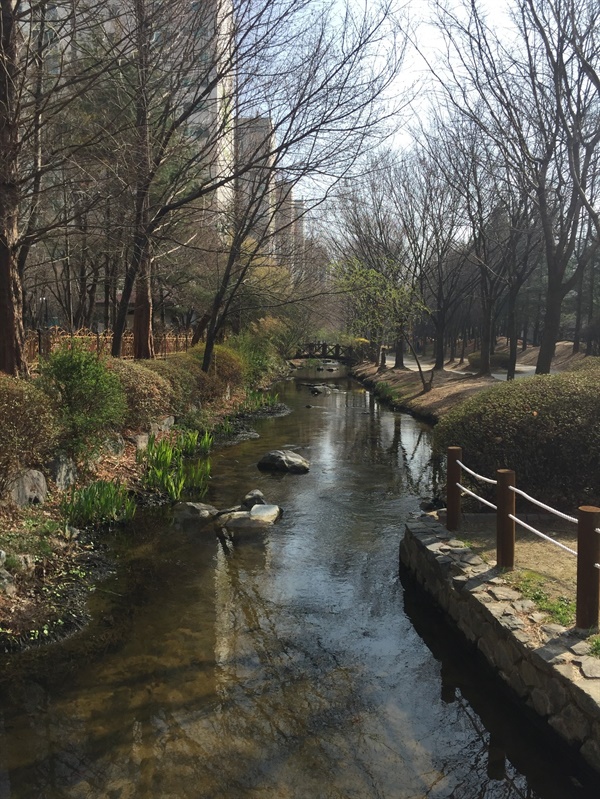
338 352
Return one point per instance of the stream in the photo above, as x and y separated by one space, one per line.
290 664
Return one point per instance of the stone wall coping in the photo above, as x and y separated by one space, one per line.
548 666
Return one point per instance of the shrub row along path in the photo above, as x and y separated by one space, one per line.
555 570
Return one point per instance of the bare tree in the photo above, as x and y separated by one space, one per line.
536 98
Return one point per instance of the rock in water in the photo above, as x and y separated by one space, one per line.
185 511
284 460
252 498
265 513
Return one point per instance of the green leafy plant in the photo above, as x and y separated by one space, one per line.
385 392
205 443
197 475
257 401
595 646
168 471
225 427
88 397
187 442
102 502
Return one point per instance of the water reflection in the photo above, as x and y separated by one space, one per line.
282 666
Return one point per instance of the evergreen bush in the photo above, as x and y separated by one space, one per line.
28 428
589 364
259 351
226 369
546 428
149 396
88 398
190 385
498 360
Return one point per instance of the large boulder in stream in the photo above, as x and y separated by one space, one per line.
284 460
257 518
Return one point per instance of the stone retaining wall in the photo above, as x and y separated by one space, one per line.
546 665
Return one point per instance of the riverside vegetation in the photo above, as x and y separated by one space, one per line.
90 409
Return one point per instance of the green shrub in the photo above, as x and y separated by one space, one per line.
88 397
498 360
190 385
589 364
546 428
258 352
149 396
27 428
168 471
226 368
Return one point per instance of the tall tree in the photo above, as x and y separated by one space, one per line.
536 97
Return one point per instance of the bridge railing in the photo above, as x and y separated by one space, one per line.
587 522
322 349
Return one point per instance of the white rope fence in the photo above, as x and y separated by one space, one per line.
533 500
477 476
542 535
472 494
586 552
483 479
571 519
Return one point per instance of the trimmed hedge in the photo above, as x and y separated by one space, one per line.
226 368
498 360
590 363
149 396
28 428
189 384
546 428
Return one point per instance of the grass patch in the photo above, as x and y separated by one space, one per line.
595 646
533 586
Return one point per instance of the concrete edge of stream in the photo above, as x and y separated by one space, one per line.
545 665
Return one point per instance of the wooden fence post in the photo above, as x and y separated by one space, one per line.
588 577
505 526
453 494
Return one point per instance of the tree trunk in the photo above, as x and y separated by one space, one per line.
550 333
513 335
12 334
399 353
439 349
143 340
589 342
199 328
578 314
525 334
